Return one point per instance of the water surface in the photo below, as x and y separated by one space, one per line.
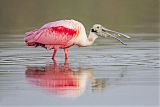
105 74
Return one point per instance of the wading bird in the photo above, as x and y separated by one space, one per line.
66 33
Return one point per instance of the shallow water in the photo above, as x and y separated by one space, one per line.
105 74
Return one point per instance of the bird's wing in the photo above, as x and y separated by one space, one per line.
71 24
59 33
55 35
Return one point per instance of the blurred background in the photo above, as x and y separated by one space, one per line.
132 16
112 74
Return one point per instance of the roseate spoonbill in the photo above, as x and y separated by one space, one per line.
66 33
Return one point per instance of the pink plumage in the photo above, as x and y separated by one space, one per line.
54 35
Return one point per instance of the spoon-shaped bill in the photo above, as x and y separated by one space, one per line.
112 34
115 32
116 38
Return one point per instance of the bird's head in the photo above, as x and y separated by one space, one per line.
101 31
97 28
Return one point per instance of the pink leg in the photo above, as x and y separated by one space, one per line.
66 53
66 62
54 54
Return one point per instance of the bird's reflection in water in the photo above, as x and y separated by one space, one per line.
62 80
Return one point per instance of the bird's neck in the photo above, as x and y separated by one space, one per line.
84 41
91 38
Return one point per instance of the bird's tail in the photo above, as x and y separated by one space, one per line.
29 37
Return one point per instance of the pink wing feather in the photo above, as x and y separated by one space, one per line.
53 33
